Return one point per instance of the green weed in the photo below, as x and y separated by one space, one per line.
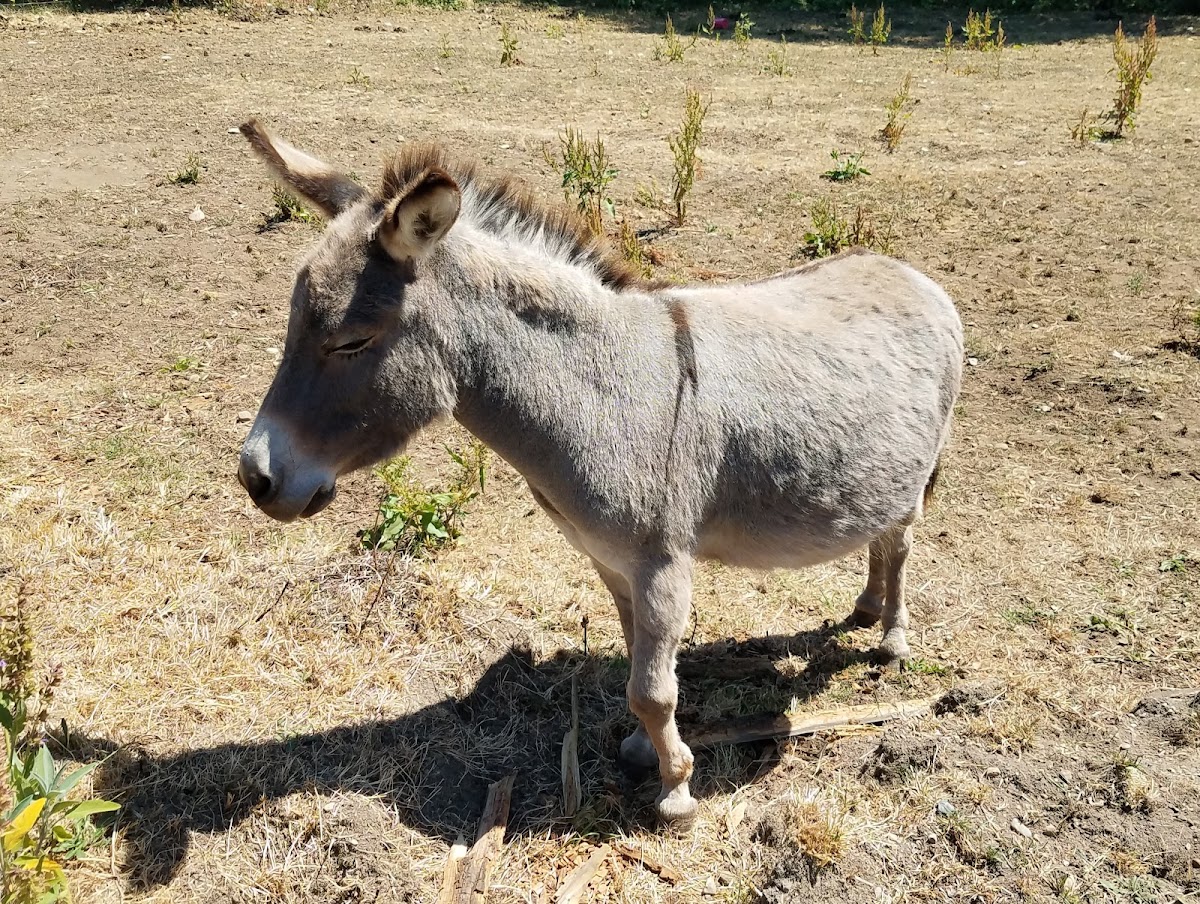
978 31
190 174
777 63
881 30
899 111
832 232
586 174
846 167
857 29
43 827
414 520
1085 130
741 31
288 208
1133 63
672 48
633 251
358 78
509 45
684 147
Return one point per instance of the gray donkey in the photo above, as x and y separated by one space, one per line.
778 423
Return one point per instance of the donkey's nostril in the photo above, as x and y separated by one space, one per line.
257 484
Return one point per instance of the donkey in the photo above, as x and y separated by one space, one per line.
778 423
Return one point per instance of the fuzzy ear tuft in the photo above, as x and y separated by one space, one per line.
420 218
316 182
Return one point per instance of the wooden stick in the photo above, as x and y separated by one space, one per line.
571 782
476 873
629 852
762 728
458 851
576 884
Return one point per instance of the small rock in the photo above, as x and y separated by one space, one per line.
1065 776
1020 828
1122 357
245 417
945 808
710 887
196 215
972 362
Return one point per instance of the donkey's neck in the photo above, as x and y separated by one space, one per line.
544 354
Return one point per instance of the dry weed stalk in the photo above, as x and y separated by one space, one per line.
899 110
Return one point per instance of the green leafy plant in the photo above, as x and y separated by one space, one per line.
709 28
288 208
358 78
978 31
1133 63
741 31
445 51
413 519
881 30
672 47
684 147
832 232
43 827
846 167
509 45
948 47
858 25
777 63
899 111
586 174
190 173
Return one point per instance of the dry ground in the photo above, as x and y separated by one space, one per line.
278 737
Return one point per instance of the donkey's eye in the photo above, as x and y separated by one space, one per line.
349 348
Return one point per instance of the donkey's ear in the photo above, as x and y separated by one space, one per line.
416 221
316 182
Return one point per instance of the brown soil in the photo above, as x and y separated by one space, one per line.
284 730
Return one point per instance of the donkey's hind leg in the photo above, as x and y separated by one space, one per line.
869 605
636 753
895 544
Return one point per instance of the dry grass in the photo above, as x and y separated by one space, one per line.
315 745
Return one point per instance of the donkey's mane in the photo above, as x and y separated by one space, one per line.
507 207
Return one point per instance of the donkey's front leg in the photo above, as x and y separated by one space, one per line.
662 594
637 753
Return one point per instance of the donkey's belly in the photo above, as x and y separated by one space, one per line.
742 546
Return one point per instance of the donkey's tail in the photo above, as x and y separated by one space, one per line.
931 485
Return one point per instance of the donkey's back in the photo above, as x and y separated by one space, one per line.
829 391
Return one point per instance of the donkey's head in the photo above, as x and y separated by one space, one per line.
361 369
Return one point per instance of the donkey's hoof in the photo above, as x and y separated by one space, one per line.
677 807
891 657
637 755
862 618
867 609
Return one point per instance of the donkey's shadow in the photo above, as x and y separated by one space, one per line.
434 765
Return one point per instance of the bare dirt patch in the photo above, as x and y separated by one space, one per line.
323 745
